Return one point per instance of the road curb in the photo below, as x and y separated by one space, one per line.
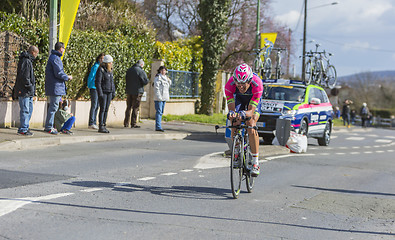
23 144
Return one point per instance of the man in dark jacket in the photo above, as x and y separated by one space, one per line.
25 88
55 85
136 79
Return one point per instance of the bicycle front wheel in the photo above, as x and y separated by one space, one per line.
331 77
257 65
318 73
308 73
236 167
249 179
267 68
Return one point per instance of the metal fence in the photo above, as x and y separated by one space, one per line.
184 84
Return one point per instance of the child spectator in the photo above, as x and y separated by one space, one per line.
63 120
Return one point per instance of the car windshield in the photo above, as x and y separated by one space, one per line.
284 93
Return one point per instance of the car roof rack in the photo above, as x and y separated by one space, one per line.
283 81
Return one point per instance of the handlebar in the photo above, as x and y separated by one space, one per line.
279 49
237 127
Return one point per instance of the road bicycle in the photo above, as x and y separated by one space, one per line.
313 66
328 74
262 62
240 163
319 70
278 73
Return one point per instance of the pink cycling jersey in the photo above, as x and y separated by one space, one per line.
256 90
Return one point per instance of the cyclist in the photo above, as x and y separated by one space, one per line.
243 91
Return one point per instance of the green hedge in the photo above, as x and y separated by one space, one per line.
125 44
384 113
84 47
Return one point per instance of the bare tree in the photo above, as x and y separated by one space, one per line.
376 91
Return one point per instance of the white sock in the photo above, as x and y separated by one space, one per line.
255 158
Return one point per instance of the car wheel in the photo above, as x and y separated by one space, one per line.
303 127
324 141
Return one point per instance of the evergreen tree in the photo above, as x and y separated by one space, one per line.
213 25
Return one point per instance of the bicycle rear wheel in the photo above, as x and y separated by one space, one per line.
249 179
308 73
236 167
331 77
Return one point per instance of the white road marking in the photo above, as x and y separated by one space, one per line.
367 146
383 140
343 147
393 137
324 154
340 153
379 151
10 205
168 174
368 152
290 155
186 170
146 178
356 147
355 152
213 160
371 135
390 150
333 137
91 190
355 138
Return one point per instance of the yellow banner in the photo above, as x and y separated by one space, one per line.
268 38
68 11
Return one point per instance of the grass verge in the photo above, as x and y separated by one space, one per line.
216 118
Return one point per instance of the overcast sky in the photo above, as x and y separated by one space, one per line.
360 33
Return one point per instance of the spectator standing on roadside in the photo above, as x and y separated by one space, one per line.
136 79
93 92
55 85
105 90
364 114
63 119
25 89
346 113
161 94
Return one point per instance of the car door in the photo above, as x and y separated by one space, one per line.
314 114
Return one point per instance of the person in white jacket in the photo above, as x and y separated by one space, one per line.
161 94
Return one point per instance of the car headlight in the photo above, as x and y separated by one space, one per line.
290 112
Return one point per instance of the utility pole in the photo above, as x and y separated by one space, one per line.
304 42
258 8
53 22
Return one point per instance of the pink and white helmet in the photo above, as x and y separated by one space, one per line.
242 74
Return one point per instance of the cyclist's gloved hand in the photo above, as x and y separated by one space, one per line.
231 114
242 115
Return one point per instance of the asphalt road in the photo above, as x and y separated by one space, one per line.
179 189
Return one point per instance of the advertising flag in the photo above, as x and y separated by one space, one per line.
68 11
268 38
